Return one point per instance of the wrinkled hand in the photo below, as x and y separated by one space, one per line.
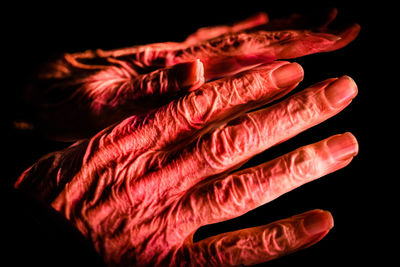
81 93
141 188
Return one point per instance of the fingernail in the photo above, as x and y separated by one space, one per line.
288 75
343 146
341 91
317 222
189 73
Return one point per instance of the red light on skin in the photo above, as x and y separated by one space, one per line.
140 187
82 93
139 204
229 66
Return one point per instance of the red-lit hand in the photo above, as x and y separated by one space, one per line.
139 190
81 93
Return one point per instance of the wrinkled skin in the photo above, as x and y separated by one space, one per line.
79 94
140 188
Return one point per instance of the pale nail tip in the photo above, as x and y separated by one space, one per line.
330 220
353 141
340 92
197 72
200 69
342 147
288 74
353 83
299 67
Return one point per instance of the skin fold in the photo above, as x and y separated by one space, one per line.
141 187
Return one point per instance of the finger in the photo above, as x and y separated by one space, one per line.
237 141
253 21
260 244
183 76
206 33
228 197
234 53
219 100
347 36
115 88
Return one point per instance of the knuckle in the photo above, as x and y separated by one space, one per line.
302 109
301 164
218 151
153 83
278 239
232 141
190 111
233 190
251 87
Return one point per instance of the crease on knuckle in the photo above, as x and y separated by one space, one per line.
252 85
195 108
301 110
301 165
231 142
216 252
278 239
155 83
230 194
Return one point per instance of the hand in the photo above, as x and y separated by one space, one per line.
81 93
140 189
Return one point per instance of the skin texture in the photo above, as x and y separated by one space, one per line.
79 94
140 188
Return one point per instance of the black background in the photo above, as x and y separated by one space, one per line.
35 33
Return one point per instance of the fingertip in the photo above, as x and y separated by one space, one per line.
309 228
317 222
341 92
331 13
354 28
350 32
197 72
257 19
354 141
189 74
288 74
343 146
346 36
262 18
299 67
